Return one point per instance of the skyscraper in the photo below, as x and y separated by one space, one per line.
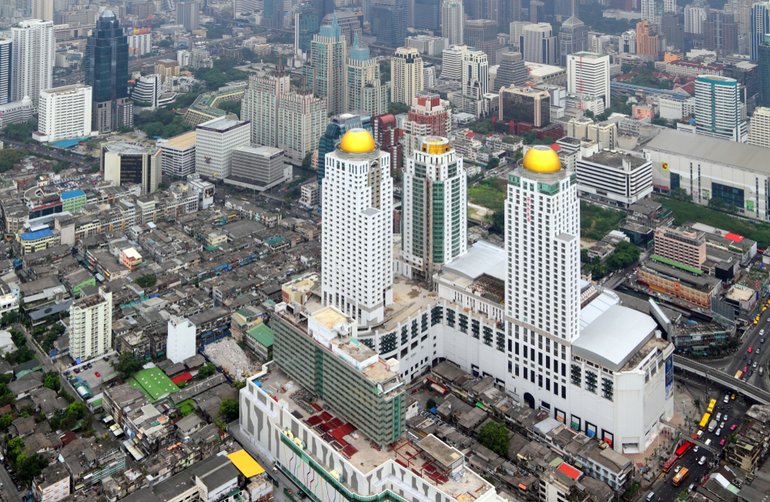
475 82
366 93
720 32
763 61
188 14
328 58
406 75
32 59
542 238
482 34
427 15
272 14
718 110
759 131
428 116
452 21
588 74
512 71
335 129
43 9
106 68
538 44
260 106
452 62
760 26
90 325
6 72
358 207
652 10
435 227
573 36
390 20
307 23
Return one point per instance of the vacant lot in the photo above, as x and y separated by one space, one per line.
489 193
597 221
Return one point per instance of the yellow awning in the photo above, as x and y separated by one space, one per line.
245 463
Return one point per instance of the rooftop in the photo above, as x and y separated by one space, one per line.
615 159
126 148
182 141
221 124
483 258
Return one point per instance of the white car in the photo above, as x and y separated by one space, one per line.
702 460
695 450
718 432
762 332
719 416
708 442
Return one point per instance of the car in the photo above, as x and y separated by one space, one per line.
722 442
719 416
724 417
745 369
761 340
699 433
695 450
677 469
691 488
650 496
726 399
708 442
751 349
754 365
733 427
757 350
762 332
702 460
718 432
732 396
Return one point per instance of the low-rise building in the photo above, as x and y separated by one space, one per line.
679 281
614 178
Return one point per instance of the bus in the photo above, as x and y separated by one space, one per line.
680 476
705 420
739 374
683 448
712 404
670 463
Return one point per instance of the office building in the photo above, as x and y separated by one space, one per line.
525 104
573 37
434 207
366 93
718 108
357 200
648 42
177 155
307 23
6 70
720 32
106 70
652 10
427 15
481 34
43 9
335 129
272 13
90 328
452 21
147 92
512 71
64 113
538 44
261 106
759 130
258 168
180 339
390 21
130 164
682 245
32 59
215 141
588 74
475 82
389 137
406 75
614 178
760 26
452 62
694 17
429 115
328 59
301 121
188 14
763 63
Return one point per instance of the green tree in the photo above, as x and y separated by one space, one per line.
51 380
493 163
228 410
21 132
10 157
498 223
146 281
207 370
127 364
29 467
6 420
397 108
9 318
494 436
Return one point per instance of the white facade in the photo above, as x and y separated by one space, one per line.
358 207
651 11
759 131
538 44
588 74
139 44
452 62
180 341
475 81
5 70
147 90
614 178
366 93
91 326
33 58
434 177
178 155
215 141
64 113
718 108
694 17
260 106
676 108
452 21
406 75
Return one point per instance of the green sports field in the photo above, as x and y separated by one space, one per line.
154 383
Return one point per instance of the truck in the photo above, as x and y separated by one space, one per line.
712 425
680 476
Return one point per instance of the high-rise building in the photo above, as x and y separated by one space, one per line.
759 130
525 104
336 128
720 32
215 141
177 155
366 93
763 61
258 168
180 339
648 42
406 75
452 21
428 116
588 74
272 14
188 14
131 164
328 58
90 331
388 136
512 71
671 29
307 23
475 82
391 22
435 227
106 70
760 26
694 17
6 70
64 113
358 208
452 62
43 9
651 10
538 44
146 92
542 236
482 34
427 15
32 59
260 105
718 108
573 37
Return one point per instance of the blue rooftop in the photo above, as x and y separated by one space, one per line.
72 194
68 143
37 234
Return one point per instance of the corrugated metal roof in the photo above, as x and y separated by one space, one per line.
482 258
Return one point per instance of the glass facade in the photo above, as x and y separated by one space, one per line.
106 61
728 195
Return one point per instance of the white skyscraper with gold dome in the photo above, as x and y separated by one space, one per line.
356 235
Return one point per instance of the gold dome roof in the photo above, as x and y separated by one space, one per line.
357 141
541 159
